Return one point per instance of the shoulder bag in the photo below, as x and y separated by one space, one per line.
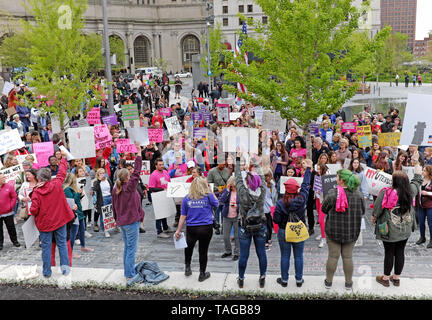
295 229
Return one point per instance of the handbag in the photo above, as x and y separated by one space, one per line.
383 227
295 229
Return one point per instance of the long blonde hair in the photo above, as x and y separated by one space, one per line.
70 182
122 176
199 188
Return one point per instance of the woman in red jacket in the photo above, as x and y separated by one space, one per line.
52 213
8 198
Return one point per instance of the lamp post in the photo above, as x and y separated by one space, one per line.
108 74
209 6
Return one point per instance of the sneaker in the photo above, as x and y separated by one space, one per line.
75 256
318 238
235 258
282 283
188 270
163 235
225 255
203 276
141 230
322 243
96 228
299 283
327 284
107 235
240 283
88 234
421 240
311 232
380 280
77 242
85 249
262 281
396 282
429 245
16 244
348 286
217 231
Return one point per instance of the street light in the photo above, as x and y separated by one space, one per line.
209 6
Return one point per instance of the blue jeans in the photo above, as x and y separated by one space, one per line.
245 239
285 249
161 223
217 214
106 201
423 214
130 236
46 239
78 229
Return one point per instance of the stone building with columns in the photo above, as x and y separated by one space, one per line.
149 29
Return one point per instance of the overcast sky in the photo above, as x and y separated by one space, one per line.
424 18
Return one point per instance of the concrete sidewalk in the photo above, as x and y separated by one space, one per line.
226 283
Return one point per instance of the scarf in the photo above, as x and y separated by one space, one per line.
341 201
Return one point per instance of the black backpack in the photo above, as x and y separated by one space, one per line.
253 222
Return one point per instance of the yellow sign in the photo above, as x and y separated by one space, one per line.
364 134
390 139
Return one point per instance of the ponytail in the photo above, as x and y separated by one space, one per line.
119 186
351 180
122 177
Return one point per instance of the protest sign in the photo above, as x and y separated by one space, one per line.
93 116
111 119
130 115
284 179
329 181
178 189
173 125
333 168
22 157
155 135
258 114
124 146
10 140
347 163
139 135
389 139
108 217
117 107
103 138
245 138
317 184
364 134
10 111
409 171
12 173
145 172
43 151
207 116
348 127
200 132
417 124
7 88
377 180
165 112
271 120
235 115
30 232
163 207
223 113
314 128
87 199
79 123
82 142
197 116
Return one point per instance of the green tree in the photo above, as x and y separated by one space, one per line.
216 51
303 56
381 55
60 61
161 64
396 53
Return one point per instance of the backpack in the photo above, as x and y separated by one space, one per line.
253 222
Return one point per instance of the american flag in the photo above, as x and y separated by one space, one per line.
241 87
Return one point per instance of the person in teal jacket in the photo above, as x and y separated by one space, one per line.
71 191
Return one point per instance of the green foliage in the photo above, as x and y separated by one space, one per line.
303 57
13 51
161 64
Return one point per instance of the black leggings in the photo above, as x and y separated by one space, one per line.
269 222
394 255
203 234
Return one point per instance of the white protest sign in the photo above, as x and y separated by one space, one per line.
377 180
284 179
55 123
85 185
30 232
22 157
409 171
181 242
417 126
272 120
145 172
139 134
333 168
347 163
173 125
10 140
12 173
181 179
223 113
234 115
108 217
82 142
245 138
7 88
180 189
163 207
69 156
258 114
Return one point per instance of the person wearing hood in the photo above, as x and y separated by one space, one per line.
251 192
270 201
293 201
52 213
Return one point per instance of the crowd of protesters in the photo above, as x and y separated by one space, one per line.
242 182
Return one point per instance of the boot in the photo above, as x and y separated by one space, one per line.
421 240
203 276
429 246
188 270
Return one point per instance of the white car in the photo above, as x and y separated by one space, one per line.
183 75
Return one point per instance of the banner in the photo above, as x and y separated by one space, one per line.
139 135
93 116
173 125
245 138
364 134
82 142
377 180
108 217
43 151
130 115
12 173
124 146
329 181
155 135
390 139
10 140
111 119
348 127
223 113
103 138
417 124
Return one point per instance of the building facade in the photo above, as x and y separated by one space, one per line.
401 15
422 47
149 29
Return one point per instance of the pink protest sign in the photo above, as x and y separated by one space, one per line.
155 135
124 146
43 151
165 112
103 137
93 116
348 127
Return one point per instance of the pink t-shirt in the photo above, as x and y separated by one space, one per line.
159 179
232 211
